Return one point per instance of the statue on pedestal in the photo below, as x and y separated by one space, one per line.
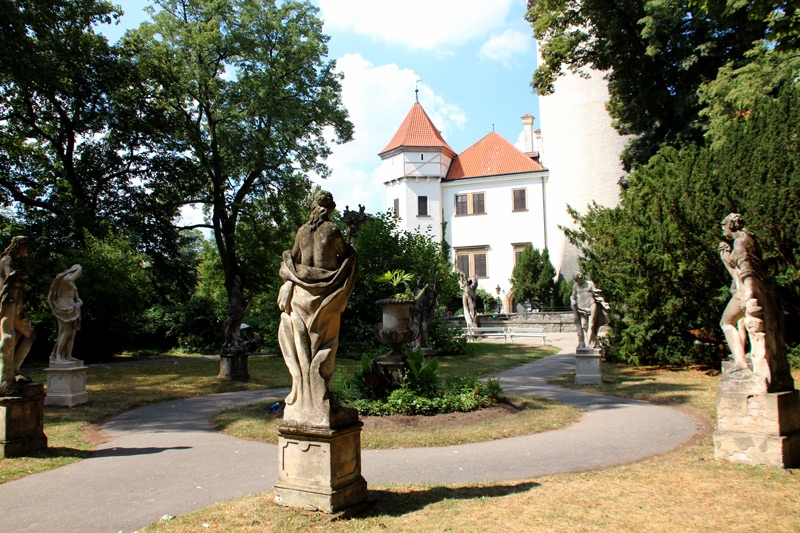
753 315
590 310
319 274
66 306
16 332
468 299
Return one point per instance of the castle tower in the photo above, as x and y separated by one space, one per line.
582 151
412 167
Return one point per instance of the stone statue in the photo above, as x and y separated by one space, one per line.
319 274
354 220
16 332
66 306
238 307
589 309
427 297
753 313
469 286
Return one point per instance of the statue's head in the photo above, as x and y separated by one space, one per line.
732 223
578 276
324 199
18 246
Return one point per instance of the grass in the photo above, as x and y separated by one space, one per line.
684 490
254 421
114 389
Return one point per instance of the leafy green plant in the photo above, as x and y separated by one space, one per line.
399 279
421 376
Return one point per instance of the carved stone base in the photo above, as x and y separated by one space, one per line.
66 383
233 365
22 422
588 372
320 469
758 428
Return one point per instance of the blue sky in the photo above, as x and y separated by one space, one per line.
472 61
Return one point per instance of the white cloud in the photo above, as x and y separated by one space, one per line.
417 24
377 98
502 48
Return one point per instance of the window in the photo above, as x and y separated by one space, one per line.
518 248
477 203
520 200
470 204
462 263
422 206
396 208
461 204
422 157
472 261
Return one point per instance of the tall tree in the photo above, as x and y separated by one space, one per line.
251 97
655 55
73 160
657 251
533 278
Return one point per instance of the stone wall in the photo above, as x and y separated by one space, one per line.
551 322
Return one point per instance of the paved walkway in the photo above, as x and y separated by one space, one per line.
166 459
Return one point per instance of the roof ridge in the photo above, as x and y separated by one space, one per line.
417 129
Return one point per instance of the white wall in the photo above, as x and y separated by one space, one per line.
581 150
500 226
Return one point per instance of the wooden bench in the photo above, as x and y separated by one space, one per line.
517 331
487 331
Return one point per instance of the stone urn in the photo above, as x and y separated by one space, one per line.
396 330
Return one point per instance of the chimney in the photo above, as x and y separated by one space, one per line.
528 135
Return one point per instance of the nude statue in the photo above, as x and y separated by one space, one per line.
752 315
468 299
16 332
66 306
319 274
589 309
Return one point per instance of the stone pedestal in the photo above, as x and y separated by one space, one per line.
320 469
66 383
588 372
233 365
753 426
22 422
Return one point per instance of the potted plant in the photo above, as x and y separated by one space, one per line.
396 329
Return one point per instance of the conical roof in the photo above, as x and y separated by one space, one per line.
491 156
417 130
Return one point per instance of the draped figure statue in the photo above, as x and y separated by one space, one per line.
319 274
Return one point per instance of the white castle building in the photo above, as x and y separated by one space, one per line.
493 199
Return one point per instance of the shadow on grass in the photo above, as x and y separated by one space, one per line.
382 502
642 385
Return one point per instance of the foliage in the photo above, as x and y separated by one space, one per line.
655 256
249 99
75 155
655 55
419 391
422 376
533 279
485 302
398 279
380 243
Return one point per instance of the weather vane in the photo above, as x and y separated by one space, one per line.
416 90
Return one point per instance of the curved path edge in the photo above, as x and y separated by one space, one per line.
166 459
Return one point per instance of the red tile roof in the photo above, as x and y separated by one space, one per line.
490 156
417 130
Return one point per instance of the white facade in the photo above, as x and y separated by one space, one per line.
501 232
581 149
